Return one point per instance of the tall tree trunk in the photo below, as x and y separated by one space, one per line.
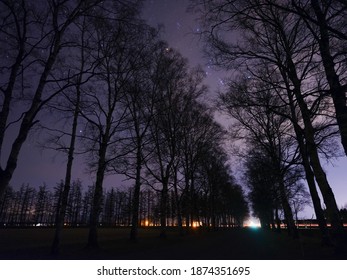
177 202
163 206
59 223
97 199
136 195
312 152
29 118
309 176
337 91
288 213
316 203
5 110
8 92
322 181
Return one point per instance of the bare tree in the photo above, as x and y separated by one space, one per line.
139 101
116 36
69 106
39 31
327 23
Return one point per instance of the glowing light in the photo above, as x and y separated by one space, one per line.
253 224
195 224
146 223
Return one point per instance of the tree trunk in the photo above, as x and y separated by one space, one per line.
312 152
136 195
59 223
178 204
338 93
278 221
327 193
21 32
288 213
316 203
97 200
309 176
28 119
163 205
8 97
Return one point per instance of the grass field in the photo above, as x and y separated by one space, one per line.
248 244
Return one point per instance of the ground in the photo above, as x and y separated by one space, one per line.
241 244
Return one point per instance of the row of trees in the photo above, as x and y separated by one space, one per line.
287 94
29 206
94 80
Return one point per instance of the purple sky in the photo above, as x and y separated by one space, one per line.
36 166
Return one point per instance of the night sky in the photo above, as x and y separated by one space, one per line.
36 166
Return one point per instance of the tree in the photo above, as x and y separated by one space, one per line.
263 193
41 205
38 32
177 86
139 101
116 36
71 96
109 208
326 22
221 201
200 135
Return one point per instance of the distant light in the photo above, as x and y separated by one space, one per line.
253 224
195 224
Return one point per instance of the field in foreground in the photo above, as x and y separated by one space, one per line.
242 244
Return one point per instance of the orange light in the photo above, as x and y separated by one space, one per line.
195 224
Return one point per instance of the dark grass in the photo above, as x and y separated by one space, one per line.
199 244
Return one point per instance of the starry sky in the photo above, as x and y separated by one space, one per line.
180 30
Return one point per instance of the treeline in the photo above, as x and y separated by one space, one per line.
287 96
38 207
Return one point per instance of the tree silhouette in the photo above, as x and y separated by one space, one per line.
278 50
37 59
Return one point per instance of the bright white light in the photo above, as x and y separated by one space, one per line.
253 224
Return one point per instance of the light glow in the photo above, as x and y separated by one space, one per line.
195 224
253 224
